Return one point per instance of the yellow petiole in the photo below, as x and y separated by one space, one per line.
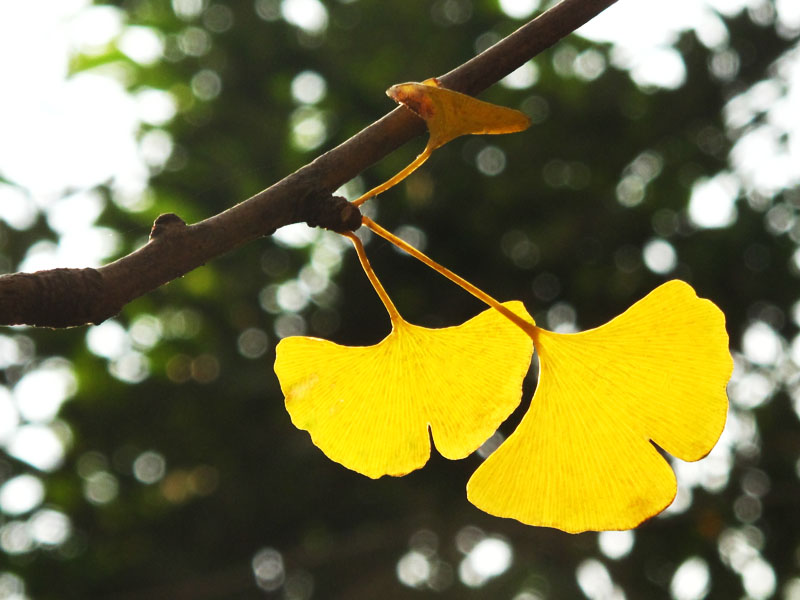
526 326
397 178
373 279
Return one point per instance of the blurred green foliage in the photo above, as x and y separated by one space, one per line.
246 498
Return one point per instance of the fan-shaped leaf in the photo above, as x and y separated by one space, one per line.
369 408
582 459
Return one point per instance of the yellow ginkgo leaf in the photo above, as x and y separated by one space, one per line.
369 408
582 458
450 114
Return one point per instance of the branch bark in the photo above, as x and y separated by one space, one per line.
71 297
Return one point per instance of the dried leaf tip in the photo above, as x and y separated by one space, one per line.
450 114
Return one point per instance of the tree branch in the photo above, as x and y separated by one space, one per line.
70 297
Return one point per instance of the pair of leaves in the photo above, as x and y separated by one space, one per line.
582 457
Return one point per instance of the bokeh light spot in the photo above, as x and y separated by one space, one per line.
145 331
206 85
49 527
155 107
252 342
12 587
308 87
309 15
747 509
536 108
451 12
758 579
519 9
590 64
17 208
413 236
143 45
489 558
615 544
519 248
595 581
751 390
315 280
40 393
21 494
155 147
289 324
791 590
659 256
691 581
292 296
15 538
712 202
308 128
108 339
218 18
9 416
268 10
630 191
37 445
267 565
131 367
491 161
188 9
467 537
521 78
149 467
413 569
296 235
101 487
561 318
761 344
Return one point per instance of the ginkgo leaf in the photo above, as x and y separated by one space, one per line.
581 459
369 408
450 114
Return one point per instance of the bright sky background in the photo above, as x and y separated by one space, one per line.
60 137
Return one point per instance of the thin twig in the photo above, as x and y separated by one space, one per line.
70 297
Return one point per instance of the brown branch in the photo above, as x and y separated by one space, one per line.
69 297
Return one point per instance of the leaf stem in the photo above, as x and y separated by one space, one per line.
398 177
394 315
526 326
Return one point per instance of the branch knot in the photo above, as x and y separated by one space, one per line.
166 223
334 213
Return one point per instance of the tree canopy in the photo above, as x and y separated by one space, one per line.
152 455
